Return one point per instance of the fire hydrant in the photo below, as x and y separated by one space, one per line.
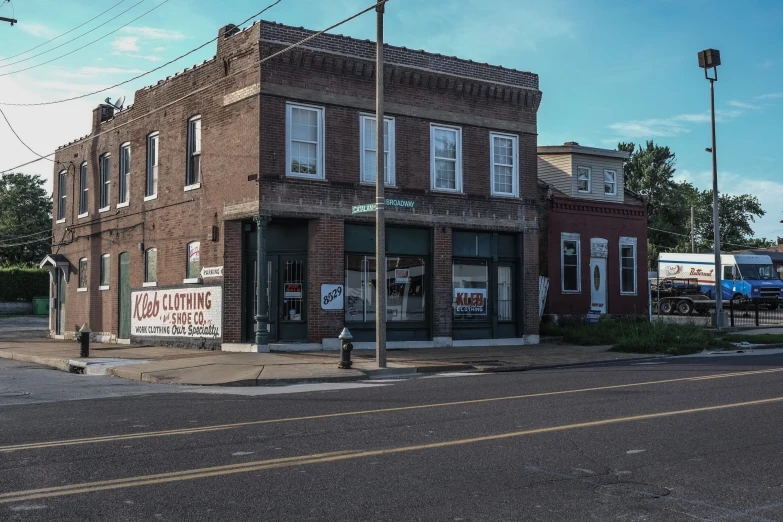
345 349
84 340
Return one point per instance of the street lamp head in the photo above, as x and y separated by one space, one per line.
709 58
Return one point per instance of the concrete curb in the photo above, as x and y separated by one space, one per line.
54 362
523 368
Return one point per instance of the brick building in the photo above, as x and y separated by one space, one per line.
595 245
158 216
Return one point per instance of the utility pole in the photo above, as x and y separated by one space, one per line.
693 233
380 203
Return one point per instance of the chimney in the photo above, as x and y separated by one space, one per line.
571 144
100 114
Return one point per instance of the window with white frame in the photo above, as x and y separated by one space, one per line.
151 185
570 263
84 189
628 265
125 162
583 179
610 182
367 146
104 164
61 194
305 141
193 176
151 267
193 270
446 158
83 274
105 272
504 154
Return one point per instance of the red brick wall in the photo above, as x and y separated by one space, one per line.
607 221
442 282
325 264
232 286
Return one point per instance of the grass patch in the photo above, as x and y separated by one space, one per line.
637 336
754 339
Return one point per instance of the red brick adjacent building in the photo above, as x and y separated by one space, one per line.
158 210
595 243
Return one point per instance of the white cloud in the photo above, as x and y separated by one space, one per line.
126 44
771 96
148 57
673 126
742 105
766 64
152 33
92 72
37 30
159 49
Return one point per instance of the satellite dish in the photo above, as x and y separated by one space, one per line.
118 104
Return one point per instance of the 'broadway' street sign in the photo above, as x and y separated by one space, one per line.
390 202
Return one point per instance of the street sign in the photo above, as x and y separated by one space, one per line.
390 202
215 271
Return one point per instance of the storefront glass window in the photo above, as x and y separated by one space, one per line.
470 290
405 295
505 296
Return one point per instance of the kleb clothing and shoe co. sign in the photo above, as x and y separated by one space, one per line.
182 312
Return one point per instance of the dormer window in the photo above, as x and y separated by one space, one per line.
583 179
610 182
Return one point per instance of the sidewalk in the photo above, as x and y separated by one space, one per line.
212 368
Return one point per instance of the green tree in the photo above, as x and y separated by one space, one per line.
25 219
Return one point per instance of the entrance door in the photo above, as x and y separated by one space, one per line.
124 297
291 299
60 302
598 284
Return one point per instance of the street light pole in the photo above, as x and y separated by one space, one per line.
710 59
380 203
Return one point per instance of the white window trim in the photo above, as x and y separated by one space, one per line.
363 119
150 198
104 186
148 166
81 289
103 288
192 281
123 205
458 166
104 209
515 170
190 153
100 268
614 192
568 236
62 201
82 189
149 284
192 187
589 180
119 164
80 216
60 220
631 242
320 147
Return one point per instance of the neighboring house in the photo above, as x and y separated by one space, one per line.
596 233
775 253
161 218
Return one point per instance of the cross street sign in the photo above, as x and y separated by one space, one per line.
390 202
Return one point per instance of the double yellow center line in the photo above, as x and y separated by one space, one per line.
220 427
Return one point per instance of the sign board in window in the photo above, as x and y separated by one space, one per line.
332 297
293 291
402 276
470 301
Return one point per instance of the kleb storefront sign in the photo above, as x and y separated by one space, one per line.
182 312
470 301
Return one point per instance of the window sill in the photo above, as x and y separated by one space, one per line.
193 187
571 292
61 220
504 195
309 177
150 198
629 294
149 284
80 216
372 184
446 191
103 288
584 192
104 209
192 281
123 205
81 289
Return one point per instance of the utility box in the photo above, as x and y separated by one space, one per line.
40 306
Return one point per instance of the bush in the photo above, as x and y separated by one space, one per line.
22 284
637 335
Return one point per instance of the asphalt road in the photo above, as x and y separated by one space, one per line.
689 439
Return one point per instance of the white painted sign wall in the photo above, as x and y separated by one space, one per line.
182 312
332 297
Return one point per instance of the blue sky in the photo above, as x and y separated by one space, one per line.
610 70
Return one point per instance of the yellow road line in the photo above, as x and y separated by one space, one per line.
219 427
200 473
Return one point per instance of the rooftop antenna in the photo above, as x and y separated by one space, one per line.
118 104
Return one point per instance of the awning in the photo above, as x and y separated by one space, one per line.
54 261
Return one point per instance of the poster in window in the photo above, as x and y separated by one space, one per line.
470 301
293 290
401 275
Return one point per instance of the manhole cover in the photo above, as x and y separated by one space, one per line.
632 490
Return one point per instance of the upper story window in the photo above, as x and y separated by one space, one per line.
367 146
193 271
570 263
105 272
193 176
84 188
105 171
82 274
504 154
151 267
628 265
305 141
151 183
61 194
610 182
446 158
583 179
125 163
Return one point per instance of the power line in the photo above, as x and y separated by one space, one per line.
143 74
87 44
63 34
201 89
22 141
16 238
688 236
49 238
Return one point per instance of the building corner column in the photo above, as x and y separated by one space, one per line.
262 317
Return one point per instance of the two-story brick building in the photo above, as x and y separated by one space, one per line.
595 244
157 210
